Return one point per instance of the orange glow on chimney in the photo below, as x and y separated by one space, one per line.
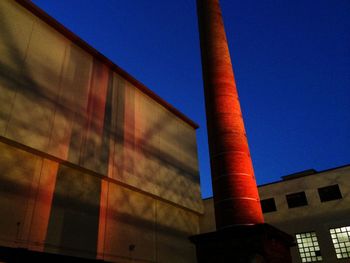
236 196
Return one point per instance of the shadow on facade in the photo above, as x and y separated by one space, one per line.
95 128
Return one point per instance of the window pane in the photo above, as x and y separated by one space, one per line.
296 200
268 205
329 193
341 241
308 247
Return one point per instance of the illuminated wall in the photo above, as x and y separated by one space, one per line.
316 216
321 228
89 164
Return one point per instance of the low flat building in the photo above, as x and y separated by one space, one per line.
312 206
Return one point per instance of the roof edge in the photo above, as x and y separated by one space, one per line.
37 11
307 175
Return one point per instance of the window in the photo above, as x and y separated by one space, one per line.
329 193
341 241
268 205
296 199
308 247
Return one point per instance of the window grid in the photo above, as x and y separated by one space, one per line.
341 241
308 247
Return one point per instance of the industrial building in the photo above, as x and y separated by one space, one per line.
92 163
95 166
312 206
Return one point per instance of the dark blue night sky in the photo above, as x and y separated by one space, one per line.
291 60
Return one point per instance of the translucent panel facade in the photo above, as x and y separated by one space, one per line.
90 163
308 247
341 241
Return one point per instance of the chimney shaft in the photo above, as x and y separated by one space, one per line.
235 192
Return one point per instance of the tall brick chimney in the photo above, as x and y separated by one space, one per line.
241 234
235 192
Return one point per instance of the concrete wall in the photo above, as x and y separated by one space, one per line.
89 163
317 216
207 221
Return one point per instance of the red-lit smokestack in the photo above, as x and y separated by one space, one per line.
236 196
